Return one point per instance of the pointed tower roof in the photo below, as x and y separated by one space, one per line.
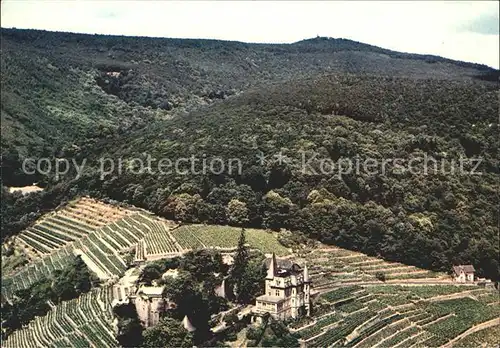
271 271
187 324
221 289
306 273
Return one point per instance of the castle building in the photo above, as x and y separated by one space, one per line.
148 300
149 304
287 290
124 287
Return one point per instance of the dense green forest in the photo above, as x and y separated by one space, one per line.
60 90
90 97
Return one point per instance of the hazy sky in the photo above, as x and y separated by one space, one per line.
459 30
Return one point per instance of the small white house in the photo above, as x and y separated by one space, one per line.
463 273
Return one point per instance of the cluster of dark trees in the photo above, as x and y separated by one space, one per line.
271 333
63 285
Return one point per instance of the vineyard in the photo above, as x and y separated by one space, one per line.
354 308
73 222
104 234
101 234
83 322
395 316
160 242
35 271
226 237
332 266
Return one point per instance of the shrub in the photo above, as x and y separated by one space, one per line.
380 276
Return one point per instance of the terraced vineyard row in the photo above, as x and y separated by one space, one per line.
332 266
388 316
100 249
320 325
77 323
397 295
483 338
211 236
160 241
68 225
35 271
382 328
100 233
354 328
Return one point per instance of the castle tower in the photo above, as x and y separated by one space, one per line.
187 324
271 272
307 290
287 292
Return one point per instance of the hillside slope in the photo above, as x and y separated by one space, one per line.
61 89
431 219
351 305
333 99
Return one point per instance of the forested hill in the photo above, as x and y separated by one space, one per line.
60 89
86 96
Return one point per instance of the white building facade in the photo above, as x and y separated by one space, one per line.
463 273
287 291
